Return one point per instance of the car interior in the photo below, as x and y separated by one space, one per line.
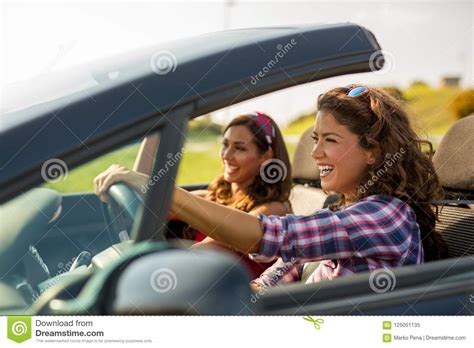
72 254
69 253
101 271
453 163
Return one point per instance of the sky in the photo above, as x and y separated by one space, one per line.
423 40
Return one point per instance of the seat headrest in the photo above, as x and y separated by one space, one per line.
454 158
303 166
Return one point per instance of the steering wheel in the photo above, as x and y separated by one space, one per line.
122 209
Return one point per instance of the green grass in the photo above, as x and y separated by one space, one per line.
80 179
301 124
199 167
429 108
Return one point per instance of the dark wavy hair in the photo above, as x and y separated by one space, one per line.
259 191
402 168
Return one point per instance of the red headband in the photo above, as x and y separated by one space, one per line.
265 124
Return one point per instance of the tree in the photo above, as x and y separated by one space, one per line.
394 92
463 105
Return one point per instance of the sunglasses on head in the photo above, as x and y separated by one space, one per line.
354 90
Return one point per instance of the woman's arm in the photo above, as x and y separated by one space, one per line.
199 193
137 177
146 155
380 227
219 222
272 208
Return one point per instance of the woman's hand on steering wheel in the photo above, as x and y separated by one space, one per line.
116 173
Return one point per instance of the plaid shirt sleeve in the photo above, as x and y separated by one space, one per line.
378 226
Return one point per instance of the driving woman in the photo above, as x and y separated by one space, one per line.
367 152
256 174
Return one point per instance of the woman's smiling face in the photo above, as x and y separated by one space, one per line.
342 162
241 156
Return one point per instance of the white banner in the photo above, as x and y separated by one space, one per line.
219 331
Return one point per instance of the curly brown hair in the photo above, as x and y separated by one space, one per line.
259 191
402 169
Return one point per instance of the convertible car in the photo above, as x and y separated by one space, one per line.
72 254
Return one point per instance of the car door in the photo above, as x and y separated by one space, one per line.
441 287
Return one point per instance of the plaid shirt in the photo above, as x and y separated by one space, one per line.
375 232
